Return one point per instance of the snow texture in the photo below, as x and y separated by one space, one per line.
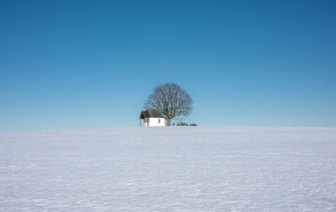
169 169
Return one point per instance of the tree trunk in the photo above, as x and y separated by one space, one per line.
168 122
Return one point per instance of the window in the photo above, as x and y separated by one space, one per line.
159 121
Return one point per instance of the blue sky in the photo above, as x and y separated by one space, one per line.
91 64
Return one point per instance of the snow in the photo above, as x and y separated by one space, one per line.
169 169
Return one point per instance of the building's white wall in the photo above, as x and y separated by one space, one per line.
154 122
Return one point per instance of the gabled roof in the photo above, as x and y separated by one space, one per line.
150 113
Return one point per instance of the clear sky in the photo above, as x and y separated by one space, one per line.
78 64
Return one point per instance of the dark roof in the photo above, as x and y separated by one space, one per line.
150 113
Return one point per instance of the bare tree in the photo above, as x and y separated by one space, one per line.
171 100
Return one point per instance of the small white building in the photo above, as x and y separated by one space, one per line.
152 118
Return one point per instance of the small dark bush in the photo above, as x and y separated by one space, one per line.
193 124
182 124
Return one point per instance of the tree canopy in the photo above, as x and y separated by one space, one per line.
171 100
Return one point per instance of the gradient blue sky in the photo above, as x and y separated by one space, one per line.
91 64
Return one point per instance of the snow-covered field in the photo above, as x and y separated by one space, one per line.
169 169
